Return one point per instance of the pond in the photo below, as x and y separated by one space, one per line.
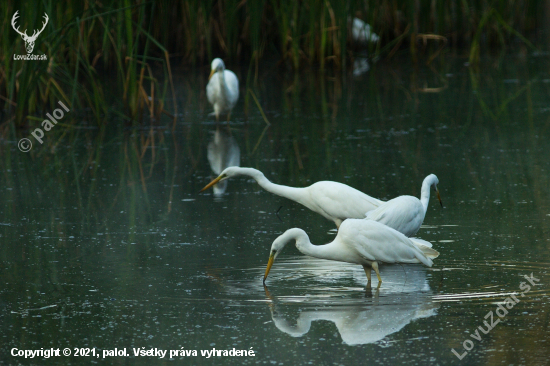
108 248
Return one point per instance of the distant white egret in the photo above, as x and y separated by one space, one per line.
361 32
223 151
222 89
406 213
363 242
334 201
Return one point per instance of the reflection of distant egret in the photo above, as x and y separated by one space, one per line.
334 201
363 242
223 152
359 321
222 89
361 34
360 66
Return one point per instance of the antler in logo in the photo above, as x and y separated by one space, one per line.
29 41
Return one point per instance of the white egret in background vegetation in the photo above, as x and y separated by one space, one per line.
363 242
222 89
223 151
406 213
361 32
334 201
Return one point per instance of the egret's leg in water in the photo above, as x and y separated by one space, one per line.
367 271
375 267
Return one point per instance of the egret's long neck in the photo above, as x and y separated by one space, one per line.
280 190
331 251
425 193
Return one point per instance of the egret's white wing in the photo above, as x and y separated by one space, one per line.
423 242
213 88
223 101
404 214
375 241
233 86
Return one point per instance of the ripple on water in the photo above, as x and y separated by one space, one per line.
481 282
303 290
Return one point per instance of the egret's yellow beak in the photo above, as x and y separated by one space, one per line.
269 264
438 196
211 73
212 183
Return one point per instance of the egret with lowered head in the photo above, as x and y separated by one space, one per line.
363 242
334 201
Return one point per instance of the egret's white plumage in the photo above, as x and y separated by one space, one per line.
334 201
222 89
406 213
363 242
361 32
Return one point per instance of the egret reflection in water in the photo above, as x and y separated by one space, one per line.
223 151
360 66
359 320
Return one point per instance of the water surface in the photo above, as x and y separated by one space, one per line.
106 242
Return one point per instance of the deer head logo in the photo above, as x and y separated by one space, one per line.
29 41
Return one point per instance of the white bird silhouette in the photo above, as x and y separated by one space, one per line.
222 89
363 242
334 201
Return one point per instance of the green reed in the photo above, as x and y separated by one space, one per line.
129 39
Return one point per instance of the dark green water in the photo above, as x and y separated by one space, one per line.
106 243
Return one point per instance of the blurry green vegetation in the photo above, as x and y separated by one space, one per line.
84 41
109 202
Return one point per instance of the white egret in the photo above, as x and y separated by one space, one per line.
222 89
363 242
361 32
334 201
406 213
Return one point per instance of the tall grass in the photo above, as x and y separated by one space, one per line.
81 41
130 39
